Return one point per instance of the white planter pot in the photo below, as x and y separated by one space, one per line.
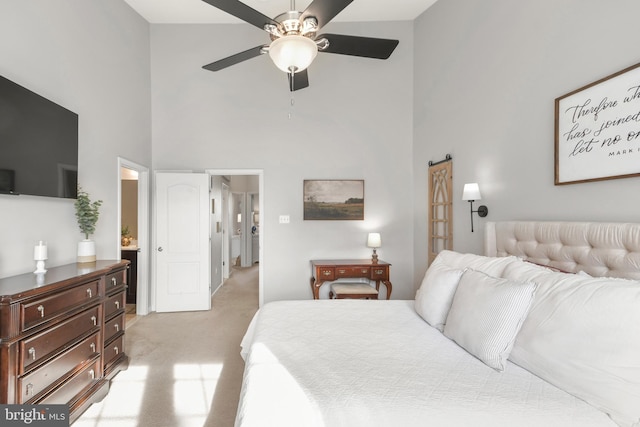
86 251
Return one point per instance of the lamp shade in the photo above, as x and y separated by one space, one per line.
293 53
373 241
471 192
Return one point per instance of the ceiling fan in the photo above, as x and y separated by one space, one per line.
294 40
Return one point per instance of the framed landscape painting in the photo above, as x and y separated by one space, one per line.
336 199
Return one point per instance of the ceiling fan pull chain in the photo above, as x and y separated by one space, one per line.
292 103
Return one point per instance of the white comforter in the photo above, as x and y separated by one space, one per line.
352 363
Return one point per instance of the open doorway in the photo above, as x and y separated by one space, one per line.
133 236
237 232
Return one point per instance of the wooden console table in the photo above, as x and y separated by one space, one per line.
334 269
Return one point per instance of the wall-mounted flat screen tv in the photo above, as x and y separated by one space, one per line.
38 144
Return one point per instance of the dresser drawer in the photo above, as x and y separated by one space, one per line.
380 273
41 310
326 273
113 326
116 279
38 380
113 304
113 350
352 272
39 346
75 385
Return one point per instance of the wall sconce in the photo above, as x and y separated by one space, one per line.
471 192
374 241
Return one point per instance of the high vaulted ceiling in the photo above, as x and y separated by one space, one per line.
197 11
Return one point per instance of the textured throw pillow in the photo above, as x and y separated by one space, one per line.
433 299
486 315
493 266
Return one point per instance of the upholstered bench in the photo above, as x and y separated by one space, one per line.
342 290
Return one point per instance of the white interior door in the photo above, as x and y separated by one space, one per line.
182 243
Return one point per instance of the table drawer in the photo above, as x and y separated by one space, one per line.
352 272
41 310
113 326
380 273
326 273
114 304
116 279
113 350
38 380
75 385
39 346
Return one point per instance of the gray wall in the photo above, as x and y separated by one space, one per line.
353 122
473 79
92 58
129 208
486 77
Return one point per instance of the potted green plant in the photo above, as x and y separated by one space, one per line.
125 239
87 213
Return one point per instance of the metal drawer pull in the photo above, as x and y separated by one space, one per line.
89 293
114 281
364 270
92 374
379 271
326 273
94 320
342 271
41 310
118 304
117 326
115 350
93 347
29 390
32 353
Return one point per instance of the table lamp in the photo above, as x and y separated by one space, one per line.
373 241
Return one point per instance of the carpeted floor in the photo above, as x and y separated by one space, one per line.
185 368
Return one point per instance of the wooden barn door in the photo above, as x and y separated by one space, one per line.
440 215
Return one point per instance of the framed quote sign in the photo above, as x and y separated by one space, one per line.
597 130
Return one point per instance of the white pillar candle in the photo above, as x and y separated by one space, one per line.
40 251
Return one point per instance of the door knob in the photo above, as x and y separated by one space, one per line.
160 249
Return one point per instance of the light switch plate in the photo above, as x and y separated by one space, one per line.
284 219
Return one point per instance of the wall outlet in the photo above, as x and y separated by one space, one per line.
284 219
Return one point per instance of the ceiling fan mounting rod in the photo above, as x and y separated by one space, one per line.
289 23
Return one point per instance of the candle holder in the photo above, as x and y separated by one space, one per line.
40 255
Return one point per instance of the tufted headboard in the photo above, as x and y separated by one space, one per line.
597 248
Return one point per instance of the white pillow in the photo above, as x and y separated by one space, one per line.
583 335
493 266
434 298
486 315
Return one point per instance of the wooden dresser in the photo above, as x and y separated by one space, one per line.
62 334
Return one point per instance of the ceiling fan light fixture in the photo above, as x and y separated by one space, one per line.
293 53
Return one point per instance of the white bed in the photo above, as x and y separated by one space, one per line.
370 363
